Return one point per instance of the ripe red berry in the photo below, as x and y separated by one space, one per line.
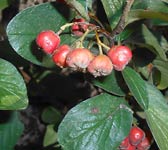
100 66
120 56
79 59
60 54
125 143
144 144
79 27
130 147
136 135
48 40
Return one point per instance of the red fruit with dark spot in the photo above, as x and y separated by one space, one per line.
48 40
144 144
79 59
79 27
60 54
100 66
125 143
120 56
136 135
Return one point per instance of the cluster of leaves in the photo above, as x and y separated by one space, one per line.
103 121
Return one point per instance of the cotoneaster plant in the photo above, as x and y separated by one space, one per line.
48 41
120 56
60 54
79 26
79 59
136 135
101 65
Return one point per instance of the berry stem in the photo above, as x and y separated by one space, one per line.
62 28
100 43
83 37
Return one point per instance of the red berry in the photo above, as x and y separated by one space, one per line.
79 27
125 143
60 54
130 147
120 56
136 135
100 66
48 40
144 144
79 58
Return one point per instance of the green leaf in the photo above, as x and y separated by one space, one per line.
79 8
145 38
10 132
156 116
156 5
114 10
51 115
136 86
3 4
24 27
139 14
156 10
99 123
162 66
50 136
13 93
124 35
157 110
110 83
151 40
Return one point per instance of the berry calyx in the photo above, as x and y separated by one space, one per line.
136 135
79 27
48 40
79 59
120 56
144 144
100 66
60 54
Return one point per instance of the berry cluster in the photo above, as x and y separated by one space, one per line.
136 140
81 58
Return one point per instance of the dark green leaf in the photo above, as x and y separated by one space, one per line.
50 136
110 83
24 27
51 115
151 40
10 132
162 66
156 5
114 10
99 123
124 35
136 86
147 39
79 8
135 15
13 93
3 4
156 116
157 110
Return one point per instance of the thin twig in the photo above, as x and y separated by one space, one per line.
121 24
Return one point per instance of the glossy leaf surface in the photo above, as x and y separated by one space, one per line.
10 131
13 92
101 122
